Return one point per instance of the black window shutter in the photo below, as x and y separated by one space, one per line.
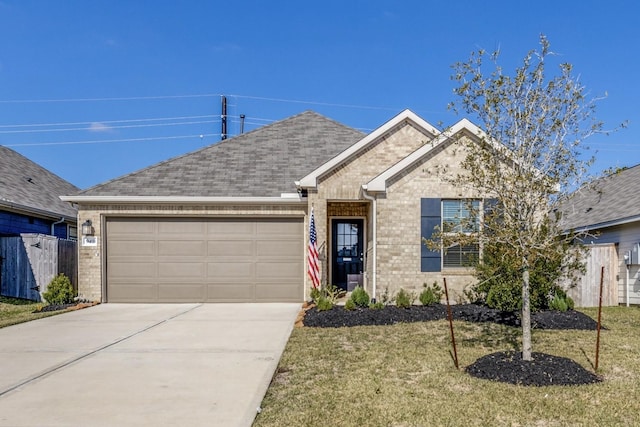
430 218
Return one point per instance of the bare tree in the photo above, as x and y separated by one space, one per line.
530 156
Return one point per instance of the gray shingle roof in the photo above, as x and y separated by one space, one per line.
261 163
612 198
29 185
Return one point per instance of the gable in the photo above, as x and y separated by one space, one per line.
462 128
357 150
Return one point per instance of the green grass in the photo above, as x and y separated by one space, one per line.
15 310
403 375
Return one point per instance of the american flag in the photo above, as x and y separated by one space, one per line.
314 265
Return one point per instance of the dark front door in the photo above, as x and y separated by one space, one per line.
347 250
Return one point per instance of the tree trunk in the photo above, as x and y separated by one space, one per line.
526 315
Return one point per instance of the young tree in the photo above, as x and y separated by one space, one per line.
530 157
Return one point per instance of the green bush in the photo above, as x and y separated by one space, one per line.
376 305
430 294
403 299
315 293
501 268
360 297
505 297
59 291
561 302
349 305
324 304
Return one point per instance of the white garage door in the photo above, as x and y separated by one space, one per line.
204 260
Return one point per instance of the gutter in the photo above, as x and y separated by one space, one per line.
374 226
16 207
284 199
605 224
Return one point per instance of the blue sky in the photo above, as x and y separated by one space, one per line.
93 90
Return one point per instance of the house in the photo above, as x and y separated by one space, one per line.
29 199
609 210
230 222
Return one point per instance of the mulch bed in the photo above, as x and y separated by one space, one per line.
542 370
72 306
339 317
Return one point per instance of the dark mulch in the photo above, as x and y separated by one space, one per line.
508 367
339 317
57 307
542 370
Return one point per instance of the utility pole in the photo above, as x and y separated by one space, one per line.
223 134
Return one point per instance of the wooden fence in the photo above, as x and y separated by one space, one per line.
29 262
587 292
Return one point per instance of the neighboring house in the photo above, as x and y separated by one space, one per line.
610 211
230 222
30 199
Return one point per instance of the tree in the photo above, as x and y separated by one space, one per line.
530 156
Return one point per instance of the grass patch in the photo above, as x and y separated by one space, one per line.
403 375
15 310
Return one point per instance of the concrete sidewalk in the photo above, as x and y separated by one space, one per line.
142 364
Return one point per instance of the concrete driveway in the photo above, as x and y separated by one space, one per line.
142 364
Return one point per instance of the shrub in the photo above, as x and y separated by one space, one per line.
324 304
315 293
376 305
561 302
332 293
350 305
500 267
430 294
403 299
59 291
360 297
505 297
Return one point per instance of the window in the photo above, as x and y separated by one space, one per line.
72 232
460 216
450 216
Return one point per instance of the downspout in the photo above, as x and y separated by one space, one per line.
627 284
53 226
374 226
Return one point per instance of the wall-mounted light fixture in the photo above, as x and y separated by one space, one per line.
87 228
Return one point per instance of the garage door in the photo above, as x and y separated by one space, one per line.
204 260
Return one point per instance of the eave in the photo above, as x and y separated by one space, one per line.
285 199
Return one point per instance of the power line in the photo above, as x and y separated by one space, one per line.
101 141
326 104
129 98
107 121
107 127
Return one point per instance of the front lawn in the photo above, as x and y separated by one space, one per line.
403 375
15 310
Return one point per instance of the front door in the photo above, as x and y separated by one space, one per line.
347 250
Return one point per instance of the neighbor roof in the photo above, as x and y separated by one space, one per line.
263 163
610 201
27 186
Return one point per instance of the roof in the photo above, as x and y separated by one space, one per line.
27 186
310 180
609 201
265 162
